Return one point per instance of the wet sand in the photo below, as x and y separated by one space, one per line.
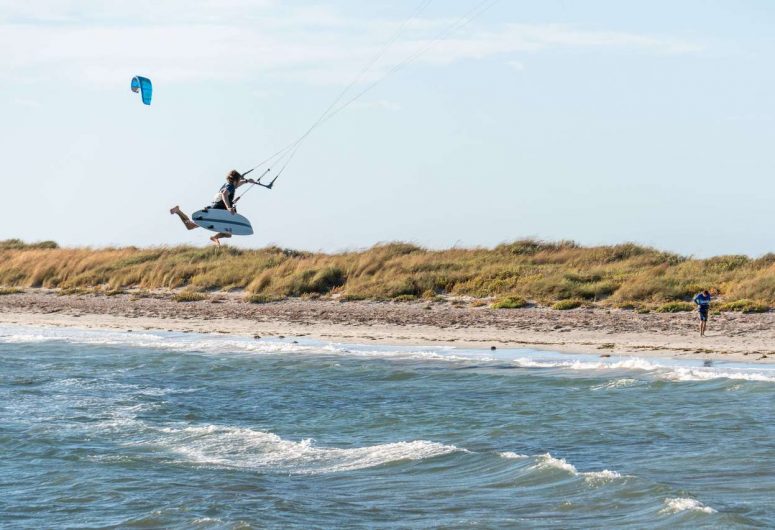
730 336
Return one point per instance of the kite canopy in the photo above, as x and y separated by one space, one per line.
143 85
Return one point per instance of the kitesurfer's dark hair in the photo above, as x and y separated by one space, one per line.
234 175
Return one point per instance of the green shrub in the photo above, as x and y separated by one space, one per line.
726 263
10 290
564 305
509 302
745 306
528 247
675 307
19 244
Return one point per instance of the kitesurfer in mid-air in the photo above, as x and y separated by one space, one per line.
223 200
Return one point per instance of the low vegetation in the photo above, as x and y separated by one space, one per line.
259 298
745 306
560 274
189 296
675 307
510 302
19 244
564 305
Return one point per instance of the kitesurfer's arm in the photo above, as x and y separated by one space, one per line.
245 181
225 199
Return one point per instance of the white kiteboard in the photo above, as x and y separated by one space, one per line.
222 221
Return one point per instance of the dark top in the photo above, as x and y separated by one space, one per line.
702 300
218 203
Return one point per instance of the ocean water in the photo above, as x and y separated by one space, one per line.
102 429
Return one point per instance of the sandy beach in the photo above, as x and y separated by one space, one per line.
731 336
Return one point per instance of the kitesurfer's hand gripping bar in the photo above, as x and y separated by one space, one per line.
267 186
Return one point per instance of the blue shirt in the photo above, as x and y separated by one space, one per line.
702 300
218 199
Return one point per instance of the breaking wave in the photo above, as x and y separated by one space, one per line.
547 461
683 504
255 450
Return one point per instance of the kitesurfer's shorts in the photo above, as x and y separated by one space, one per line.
704 312
217 206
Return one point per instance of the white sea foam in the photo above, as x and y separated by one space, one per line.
705 374
215 344
658 370
599 477
682 504
547 461
242 448
617 383
512 456
635 363
206 521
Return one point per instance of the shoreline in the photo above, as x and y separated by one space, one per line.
731 337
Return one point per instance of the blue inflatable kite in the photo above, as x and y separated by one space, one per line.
143 85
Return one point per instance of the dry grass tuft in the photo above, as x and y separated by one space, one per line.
189 296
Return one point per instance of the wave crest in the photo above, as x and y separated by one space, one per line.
547 461
243 448
682 504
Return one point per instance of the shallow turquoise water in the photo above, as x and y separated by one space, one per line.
109 429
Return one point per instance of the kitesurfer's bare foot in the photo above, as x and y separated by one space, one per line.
215 241
174 210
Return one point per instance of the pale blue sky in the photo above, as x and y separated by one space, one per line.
598 121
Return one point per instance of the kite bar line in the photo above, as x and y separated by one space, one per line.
288 152
293 146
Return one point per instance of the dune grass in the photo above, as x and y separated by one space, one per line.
189 296
545 273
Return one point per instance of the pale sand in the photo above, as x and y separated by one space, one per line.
730 336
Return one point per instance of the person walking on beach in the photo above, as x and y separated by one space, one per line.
703 304
223 200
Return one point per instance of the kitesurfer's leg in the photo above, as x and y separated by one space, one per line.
183 217
216 238
703 320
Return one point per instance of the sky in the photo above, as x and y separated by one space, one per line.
598 121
